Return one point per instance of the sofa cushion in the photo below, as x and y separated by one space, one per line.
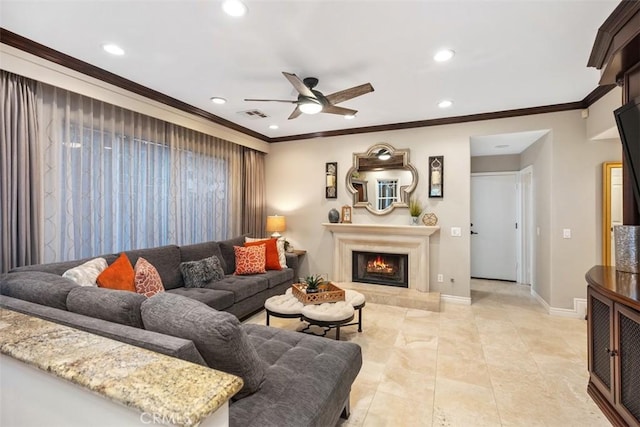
147 280
166 259
201 251
38 287
241 286
218 336
310 376
119 275
196 274
228 254
107 304
277 277
86 274
250 260
217 299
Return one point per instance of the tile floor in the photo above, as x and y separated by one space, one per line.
500 362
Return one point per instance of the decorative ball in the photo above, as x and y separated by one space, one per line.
334 216
430 219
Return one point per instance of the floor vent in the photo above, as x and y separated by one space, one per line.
253 114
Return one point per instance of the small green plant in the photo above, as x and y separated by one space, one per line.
415 207
313 281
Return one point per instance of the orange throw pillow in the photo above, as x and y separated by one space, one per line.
272 257
250 260
119 275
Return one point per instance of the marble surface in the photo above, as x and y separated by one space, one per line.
138 378
503 361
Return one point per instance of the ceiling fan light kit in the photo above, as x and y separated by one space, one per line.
312 101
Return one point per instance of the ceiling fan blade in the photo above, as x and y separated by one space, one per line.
272 100
299 85
295 113
333 109
344 95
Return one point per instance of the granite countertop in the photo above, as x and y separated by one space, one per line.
132 376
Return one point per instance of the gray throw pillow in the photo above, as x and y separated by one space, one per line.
217 335
196 274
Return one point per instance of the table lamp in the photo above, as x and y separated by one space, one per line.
276 224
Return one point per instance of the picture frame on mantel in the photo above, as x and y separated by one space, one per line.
436 177
346 214
331 184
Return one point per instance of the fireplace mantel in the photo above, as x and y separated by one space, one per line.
401 239
402 230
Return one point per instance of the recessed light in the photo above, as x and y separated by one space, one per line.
349 116
234 8
445 103
443 55
218 100
113 49
273 127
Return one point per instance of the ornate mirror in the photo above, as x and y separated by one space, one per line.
381 179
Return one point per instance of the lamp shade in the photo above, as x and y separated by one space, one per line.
276 224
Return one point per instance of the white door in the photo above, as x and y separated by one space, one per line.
494 217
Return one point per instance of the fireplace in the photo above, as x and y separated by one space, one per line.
380 268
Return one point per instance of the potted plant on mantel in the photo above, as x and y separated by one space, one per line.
415 209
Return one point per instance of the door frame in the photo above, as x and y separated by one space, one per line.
525 216
525 261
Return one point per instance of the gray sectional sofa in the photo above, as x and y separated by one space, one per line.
291 379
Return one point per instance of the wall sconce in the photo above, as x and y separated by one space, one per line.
436 176
331 172
276 224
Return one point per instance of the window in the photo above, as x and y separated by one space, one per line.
387 192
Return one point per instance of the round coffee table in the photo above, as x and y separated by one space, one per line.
330 315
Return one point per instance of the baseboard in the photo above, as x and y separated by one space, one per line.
455 299
579 310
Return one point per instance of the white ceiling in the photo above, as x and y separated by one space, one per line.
504 144
509 54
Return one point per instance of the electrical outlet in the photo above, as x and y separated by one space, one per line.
566 233
440 278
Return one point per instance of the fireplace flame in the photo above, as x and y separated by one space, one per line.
379 265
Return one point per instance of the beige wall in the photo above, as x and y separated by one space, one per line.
508 163
601 124
566 185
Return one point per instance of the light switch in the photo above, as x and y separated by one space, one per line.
566 233
456 231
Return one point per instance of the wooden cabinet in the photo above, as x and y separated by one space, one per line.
614 344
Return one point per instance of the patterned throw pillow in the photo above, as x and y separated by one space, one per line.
250 259
272 261
197 274
119 275
147 281
87 273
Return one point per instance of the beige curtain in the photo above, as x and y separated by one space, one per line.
117 180
20 228
254 197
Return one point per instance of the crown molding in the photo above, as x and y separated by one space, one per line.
19 42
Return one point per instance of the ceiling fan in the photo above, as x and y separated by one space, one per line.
312 101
